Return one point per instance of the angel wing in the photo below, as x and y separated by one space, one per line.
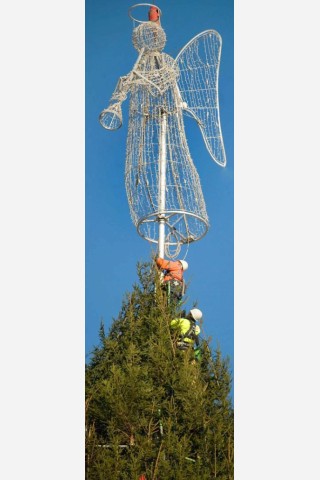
198 63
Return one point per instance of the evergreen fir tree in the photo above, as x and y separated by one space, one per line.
153 409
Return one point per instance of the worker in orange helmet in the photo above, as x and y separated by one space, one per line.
154 14
173 276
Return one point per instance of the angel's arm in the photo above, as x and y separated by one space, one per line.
111 117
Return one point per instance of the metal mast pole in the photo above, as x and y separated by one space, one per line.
162 183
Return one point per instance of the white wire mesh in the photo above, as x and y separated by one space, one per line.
154 91
150 36
198 64
153 87
111 118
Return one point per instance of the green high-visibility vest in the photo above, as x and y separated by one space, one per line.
183 325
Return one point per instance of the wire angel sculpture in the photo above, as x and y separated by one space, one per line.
162 185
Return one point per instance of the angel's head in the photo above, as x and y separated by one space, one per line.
150 36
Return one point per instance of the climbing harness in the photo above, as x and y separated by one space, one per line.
175 288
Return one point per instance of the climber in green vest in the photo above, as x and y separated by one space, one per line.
188 331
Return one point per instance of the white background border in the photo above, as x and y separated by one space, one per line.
276 240
42 240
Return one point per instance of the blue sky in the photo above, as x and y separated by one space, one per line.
113 246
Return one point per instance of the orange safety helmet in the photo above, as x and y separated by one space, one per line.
154 14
